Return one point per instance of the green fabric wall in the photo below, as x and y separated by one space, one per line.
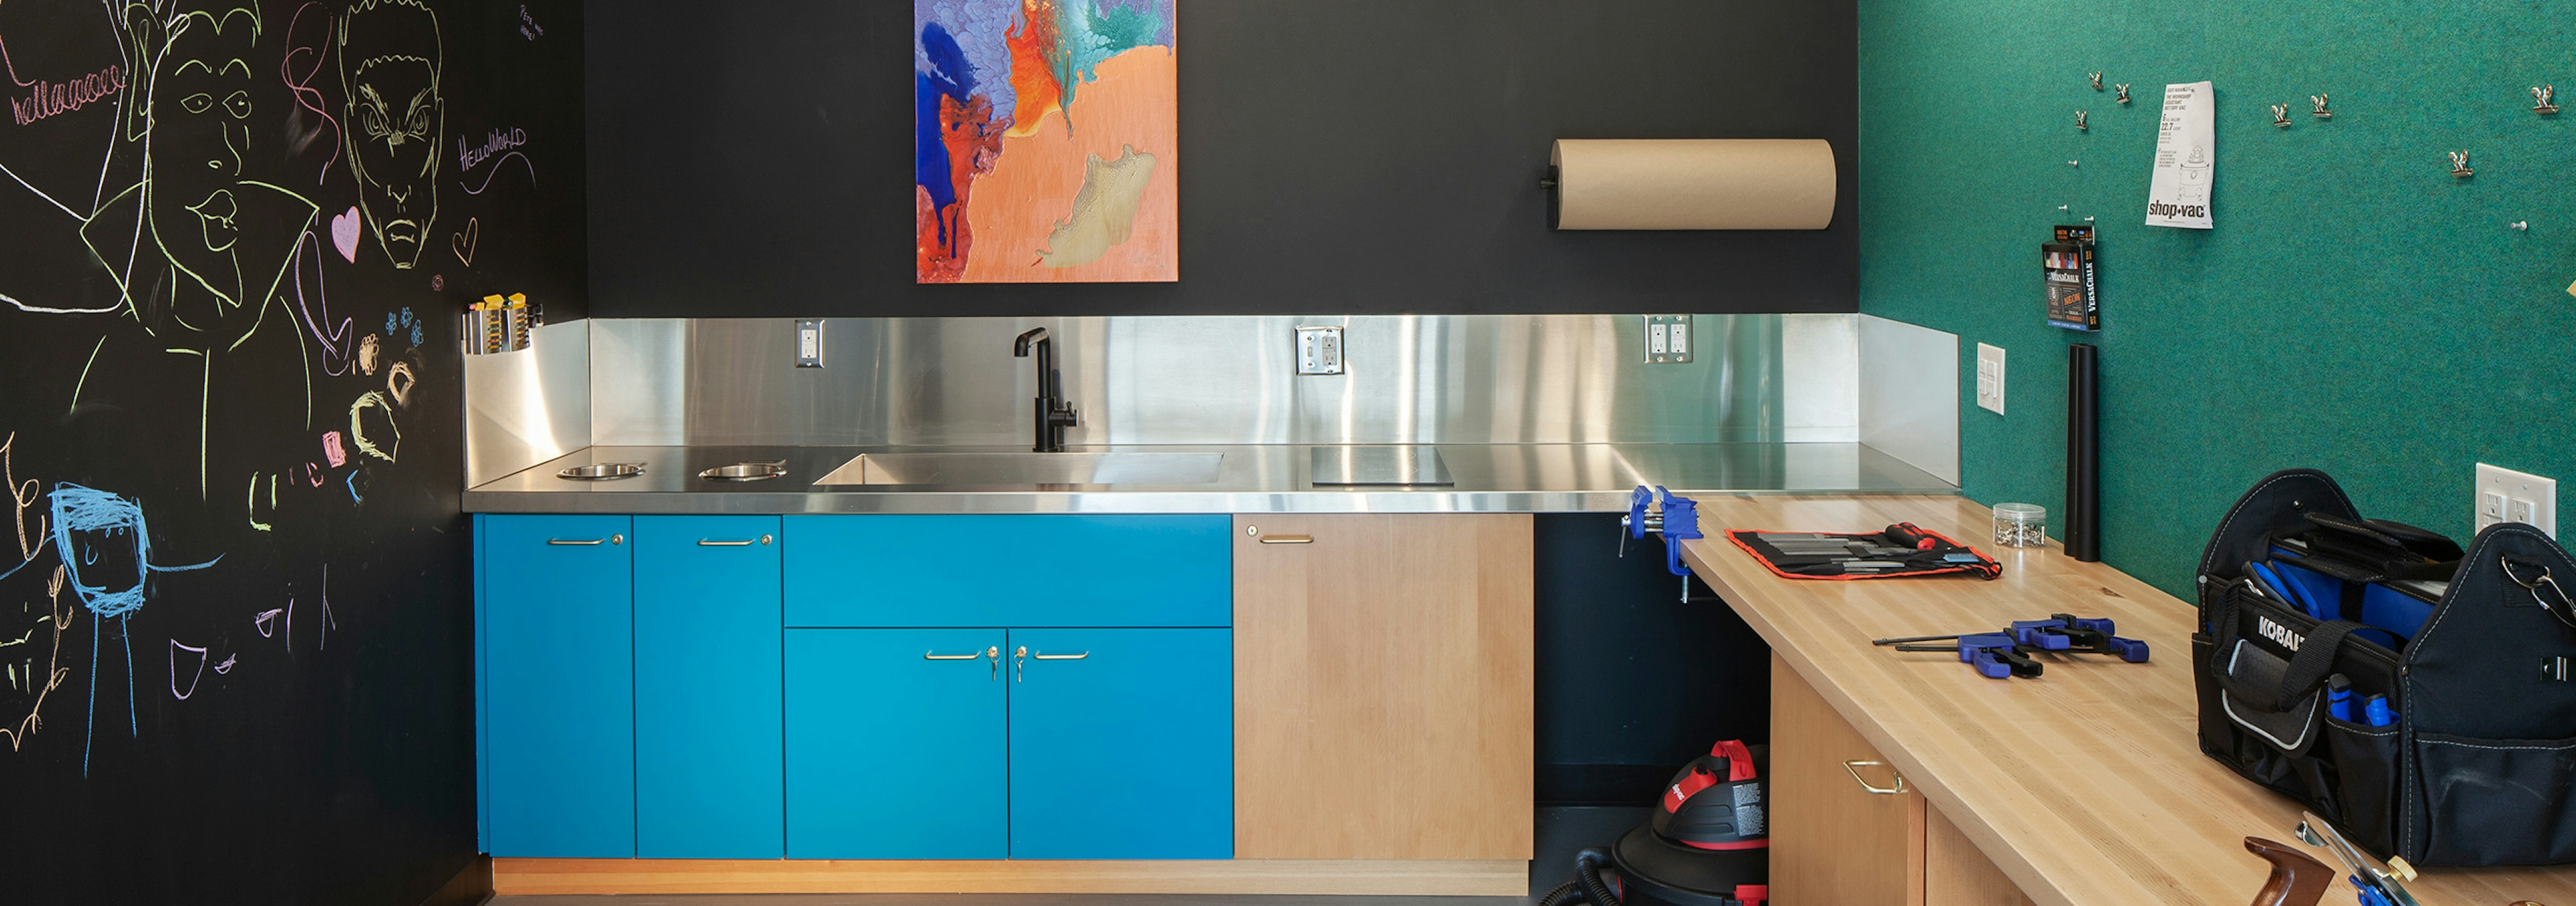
2356 309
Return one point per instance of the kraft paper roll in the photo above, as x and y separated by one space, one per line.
1693 184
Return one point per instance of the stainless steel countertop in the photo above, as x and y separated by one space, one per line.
1490 478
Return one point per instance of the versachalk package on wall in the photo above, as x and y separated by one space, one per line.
2186 159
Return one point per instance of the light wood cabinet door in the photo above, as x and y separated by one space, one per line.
1955 873
1383 686
1833 842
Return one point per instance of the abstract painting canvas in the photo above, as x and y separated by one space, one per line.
1044 136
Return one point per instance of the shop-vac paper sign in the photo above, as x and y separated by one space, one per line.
2186 159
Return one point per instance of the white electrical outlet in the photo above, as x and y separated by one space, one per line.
1667 339
809 343
2505 495
1990 378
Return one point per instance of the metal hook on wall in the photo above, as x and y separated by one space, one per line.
2097 80
2320 112
2281 115
2124 92
2079 122
2460 165
2547 98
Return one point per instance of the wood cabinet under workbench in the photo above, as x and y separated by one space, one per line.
1848 829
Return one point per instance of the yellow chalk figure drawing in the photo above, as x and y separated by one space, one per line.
198 249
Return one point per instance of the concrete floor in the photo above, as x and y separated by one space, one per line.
1562 832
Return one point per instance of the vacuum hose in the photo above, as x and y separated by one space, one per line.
1587 886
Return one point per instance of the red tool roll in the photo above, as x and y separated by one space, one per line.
1903 549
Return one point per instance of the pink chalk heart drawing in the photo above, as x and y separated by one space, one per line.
344 233
464 241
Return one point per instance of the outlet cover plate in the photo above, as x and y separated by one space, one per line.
809 343
1319 350
2516 492
1668 339
1990 378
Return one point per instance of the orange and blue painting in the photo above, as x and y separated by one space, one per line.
1044 141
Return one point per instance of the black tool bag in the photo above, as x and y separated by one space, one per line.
2476 764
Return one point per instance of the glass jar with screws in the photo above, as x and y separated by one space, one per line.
2021 525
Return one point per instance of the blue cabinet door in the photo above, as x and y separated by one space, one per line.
708 776
1019 570
1122 744
895 744
558 694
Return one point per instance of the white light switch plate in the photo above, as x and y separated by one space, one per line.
1990 378
1319 350
2505 495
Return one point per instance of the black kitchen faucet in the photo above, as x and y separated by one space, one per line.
1054 412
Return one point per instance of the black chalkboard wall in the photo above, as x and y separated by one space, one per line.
1339 156
234 610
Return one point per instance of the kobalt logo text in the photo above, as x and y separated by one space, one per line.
2278 633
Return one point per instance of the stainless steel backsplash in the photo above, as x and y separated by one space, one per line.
1456 379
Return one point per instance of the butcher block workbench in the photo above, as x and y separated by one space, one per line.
2084 786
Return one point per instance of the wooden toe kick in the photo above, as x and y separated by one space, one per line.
1382 877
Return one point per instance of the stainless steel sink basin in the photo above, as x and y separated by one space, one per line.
1019 469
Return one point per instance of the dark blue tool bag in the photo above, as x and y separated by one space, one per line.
2419 696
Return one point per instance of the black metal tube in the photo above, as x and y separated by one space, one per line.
2083 531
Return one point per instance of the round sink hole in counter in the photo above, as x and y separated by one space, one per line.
746 471
602 471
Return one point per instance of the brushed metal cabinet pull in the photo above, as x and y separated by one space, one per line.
594 542
762 541
1853 768
992 654
1288 539
1063 657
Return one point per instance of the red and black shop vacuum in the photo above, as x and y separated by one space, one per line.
1706 845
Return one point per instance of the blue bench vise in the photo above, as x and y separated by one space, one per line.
1661 511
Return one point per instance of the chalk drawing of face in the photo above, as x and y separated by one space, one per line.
201 107
389 66
200 241
102 542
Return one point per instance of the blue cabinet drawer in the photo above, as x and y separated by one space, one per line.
557 686
1044 570
895 744
708 781
1122 743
